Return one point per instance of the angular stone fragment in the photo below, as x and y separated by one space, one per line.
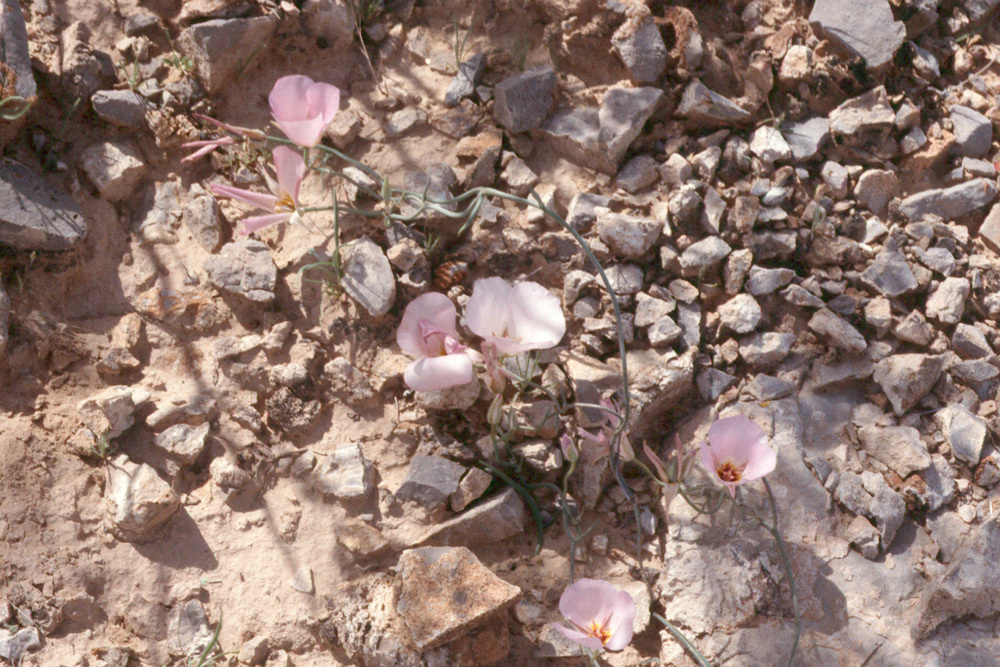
865 27
970 342
125 108
598 138
947 303
875 188
110 412
115 169
430 481
964 432
703 106
183 442
446 591
245 268
741 314
899 447
950 203
523 101
973 131
640 46
15 645
368 277
703 256
464 84
222 47
865 113
344 474
807 137
890 274
629 237
764 350
490 522
906 378
34 214
837 332
138 499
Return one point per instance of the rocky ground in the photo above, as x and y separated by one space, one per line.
795 204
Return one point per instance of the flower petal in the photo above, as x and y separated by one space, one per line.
306 132
762 459
536 316
488 311
732 438
258 222
323 100
622 620
433 307
291 169
584 600
258 199
585 640
288 97
436 373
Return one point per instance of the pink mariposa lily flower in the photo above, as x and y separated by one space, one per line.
515 319
302 108
427 332
601 615
737 452
284 200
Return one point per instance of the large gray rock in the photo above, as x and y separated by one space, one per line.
969 587
598 138
244 268
490 522
446 591
703 255
865 27
183 441
950 203
906 378
973 131
524 100
368 277
35 214
138 499
464 84
989 232
764 350
221 48
947 303
640 46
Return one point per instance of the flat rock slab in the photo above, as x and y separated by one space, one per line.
446 591
864 27
950 203
14 43
244 268
368 277
35 215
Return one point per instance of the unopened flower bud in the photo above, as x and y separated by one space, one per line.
495 412
569 450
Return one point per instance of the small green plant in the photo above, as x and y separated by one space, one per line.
520 52
181 62
102 447
130 70
212 653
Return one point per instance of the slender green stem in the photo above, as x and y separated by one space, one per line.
786 561
684 641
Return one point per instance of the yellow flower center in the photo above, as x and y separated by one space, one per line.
285 204
729 471
599 630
